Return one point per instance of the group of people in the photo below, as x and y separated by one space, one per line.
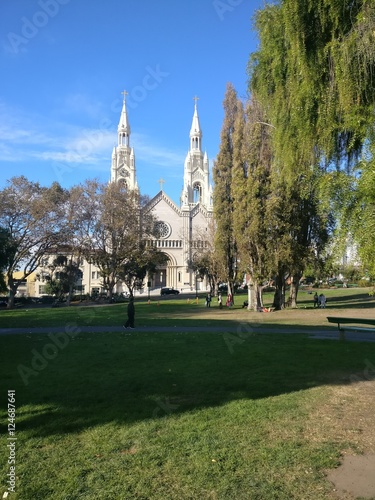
228 303
320 301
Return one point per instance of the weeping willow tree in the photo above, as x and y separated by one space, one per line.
314 74
359 212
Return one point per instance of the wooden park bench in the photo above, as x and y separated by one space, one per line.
351 324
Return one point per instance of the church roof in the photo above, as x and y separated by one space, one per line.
158 198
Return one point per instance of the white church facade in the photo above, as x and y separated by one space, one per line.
181 229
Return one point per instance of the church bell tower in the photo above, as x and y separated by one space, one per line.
197 187
123 160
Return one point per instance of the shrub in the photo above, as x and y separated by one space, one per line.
363 283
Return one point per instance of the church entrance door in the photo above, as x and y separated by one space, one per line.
161 278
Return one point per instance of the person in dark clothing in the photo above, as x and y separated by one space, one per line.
131 313
208 300
316 300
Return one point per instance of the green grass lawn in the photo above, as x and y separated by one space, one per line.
147 415
170 312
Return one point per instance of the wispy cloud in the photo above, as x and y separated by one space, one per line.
82 104
24 138
155 154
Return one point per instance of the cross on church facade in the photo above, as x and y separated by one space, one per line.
161 181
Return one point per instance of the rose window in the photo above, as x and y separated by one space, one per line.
163 229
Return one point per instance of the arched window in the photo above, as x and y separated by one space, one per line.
197 193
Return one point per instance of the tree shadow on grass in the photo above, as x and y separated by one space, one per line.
361 301
131 377
353 301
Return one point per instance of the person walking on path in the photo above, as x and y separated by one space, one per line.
131 313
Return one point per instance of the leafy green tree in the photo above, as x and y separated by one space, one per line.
360 212
64 273
204 261
313 73
34 218
144 261
7 249
252 160
225 245
110 229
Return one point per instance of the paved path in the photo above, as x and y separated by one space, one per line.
235 329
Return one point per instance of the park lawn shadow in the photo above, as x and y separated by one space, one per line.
130 377
358 301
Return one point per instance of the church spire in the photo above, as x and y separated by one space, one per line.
123 158
195 131
123 126
196 169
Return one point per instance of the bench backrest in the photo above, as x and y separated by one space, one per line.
358 321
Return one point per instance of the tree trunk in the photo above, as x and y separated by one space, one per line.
12 286
251 302
259 296
279 297
231 290
294 289
255 297
69 296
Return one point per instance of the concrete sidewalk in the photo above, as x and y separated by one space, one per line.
235 329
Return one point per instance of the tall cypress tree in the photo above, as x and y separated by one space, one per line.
225 245
251 190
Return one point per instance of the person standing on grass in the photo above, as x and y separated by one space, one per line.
208 300
322 301
220 300
316 300
131 313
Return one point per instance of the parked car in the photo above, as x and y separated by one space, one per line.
222 287
169 291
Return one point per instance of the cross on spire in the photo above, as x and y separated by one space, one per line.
124 93
195 99
161 181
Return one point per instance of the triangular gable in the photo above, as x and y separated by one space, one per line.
157 199
198 208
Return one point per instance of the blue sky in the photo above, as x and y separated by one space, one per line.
65 63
